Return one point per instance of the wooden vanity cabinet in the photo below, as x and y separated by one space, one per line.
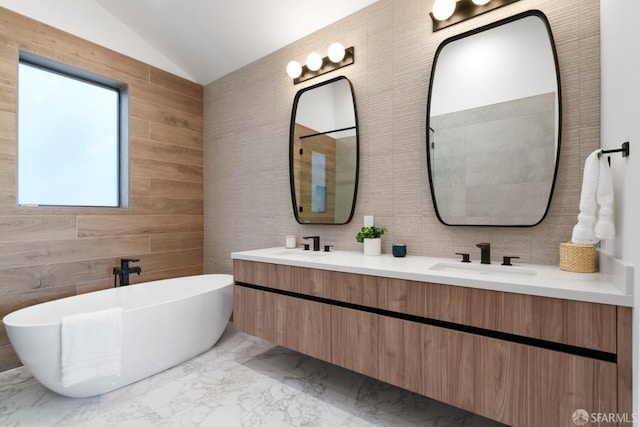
518 359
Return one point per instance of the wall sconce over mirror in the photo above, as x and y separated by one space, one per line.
337 57
449 12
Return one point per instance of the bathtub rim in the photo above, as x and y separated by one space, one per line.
8 319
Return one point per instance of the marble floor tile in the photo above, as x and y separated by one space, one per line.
242 381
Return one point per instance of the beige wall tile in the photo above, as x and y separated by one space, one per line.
247 117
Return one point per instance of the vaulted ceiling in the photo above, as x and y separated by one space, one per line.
211 38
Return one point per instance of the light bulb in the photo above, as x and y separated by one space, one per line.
480 2
314 61
443 9
294 69
336 52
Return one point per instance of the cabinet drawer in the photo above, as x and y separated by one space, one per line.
306 281
300 325
355 340
575 323
304 326
254 312
513 383
257 273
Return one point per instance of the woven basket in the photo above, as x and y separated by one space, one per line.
578 258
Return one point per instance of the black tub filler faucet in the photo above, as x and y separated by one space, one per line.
124 270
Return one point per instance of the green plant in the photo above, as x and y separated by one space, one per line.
370 233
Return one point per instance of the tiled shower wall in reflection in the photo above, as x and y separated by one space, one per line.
495 164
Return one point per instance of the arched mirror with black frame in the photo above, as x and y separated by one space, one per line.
494 120
324 153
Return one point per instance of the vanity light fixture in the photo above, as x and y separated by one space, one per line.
316 65
336 52
448 12
294 69
443 9
314 61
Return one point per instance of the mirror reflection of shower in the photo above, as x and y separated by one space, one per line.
324 153
494 104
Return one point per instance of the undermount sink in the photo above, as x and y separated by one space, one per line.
483 269
299 253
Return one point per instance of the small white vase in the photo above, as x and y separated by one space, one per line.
373 246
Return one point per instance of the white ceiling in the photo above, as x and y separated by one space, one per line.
210 38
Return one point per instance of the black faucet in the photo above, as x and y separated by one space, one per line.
485 253
124 270
316 242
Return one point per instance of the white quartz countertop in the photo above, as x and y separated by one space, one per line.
540 280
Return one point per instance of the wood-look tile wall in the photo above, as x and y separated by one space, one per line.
247 114
48 253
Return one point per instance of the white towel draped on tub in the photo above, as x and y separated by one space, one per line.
595 220
91 345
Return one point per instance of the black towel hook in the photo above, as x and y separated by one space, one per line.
624 150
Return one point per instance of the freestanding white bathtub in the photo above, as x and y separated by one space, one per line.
164 323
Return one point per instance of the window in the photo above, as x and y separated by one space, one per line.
71 144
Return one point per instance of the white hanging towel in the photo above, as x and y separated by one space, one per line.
91 346
604 228
595 220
